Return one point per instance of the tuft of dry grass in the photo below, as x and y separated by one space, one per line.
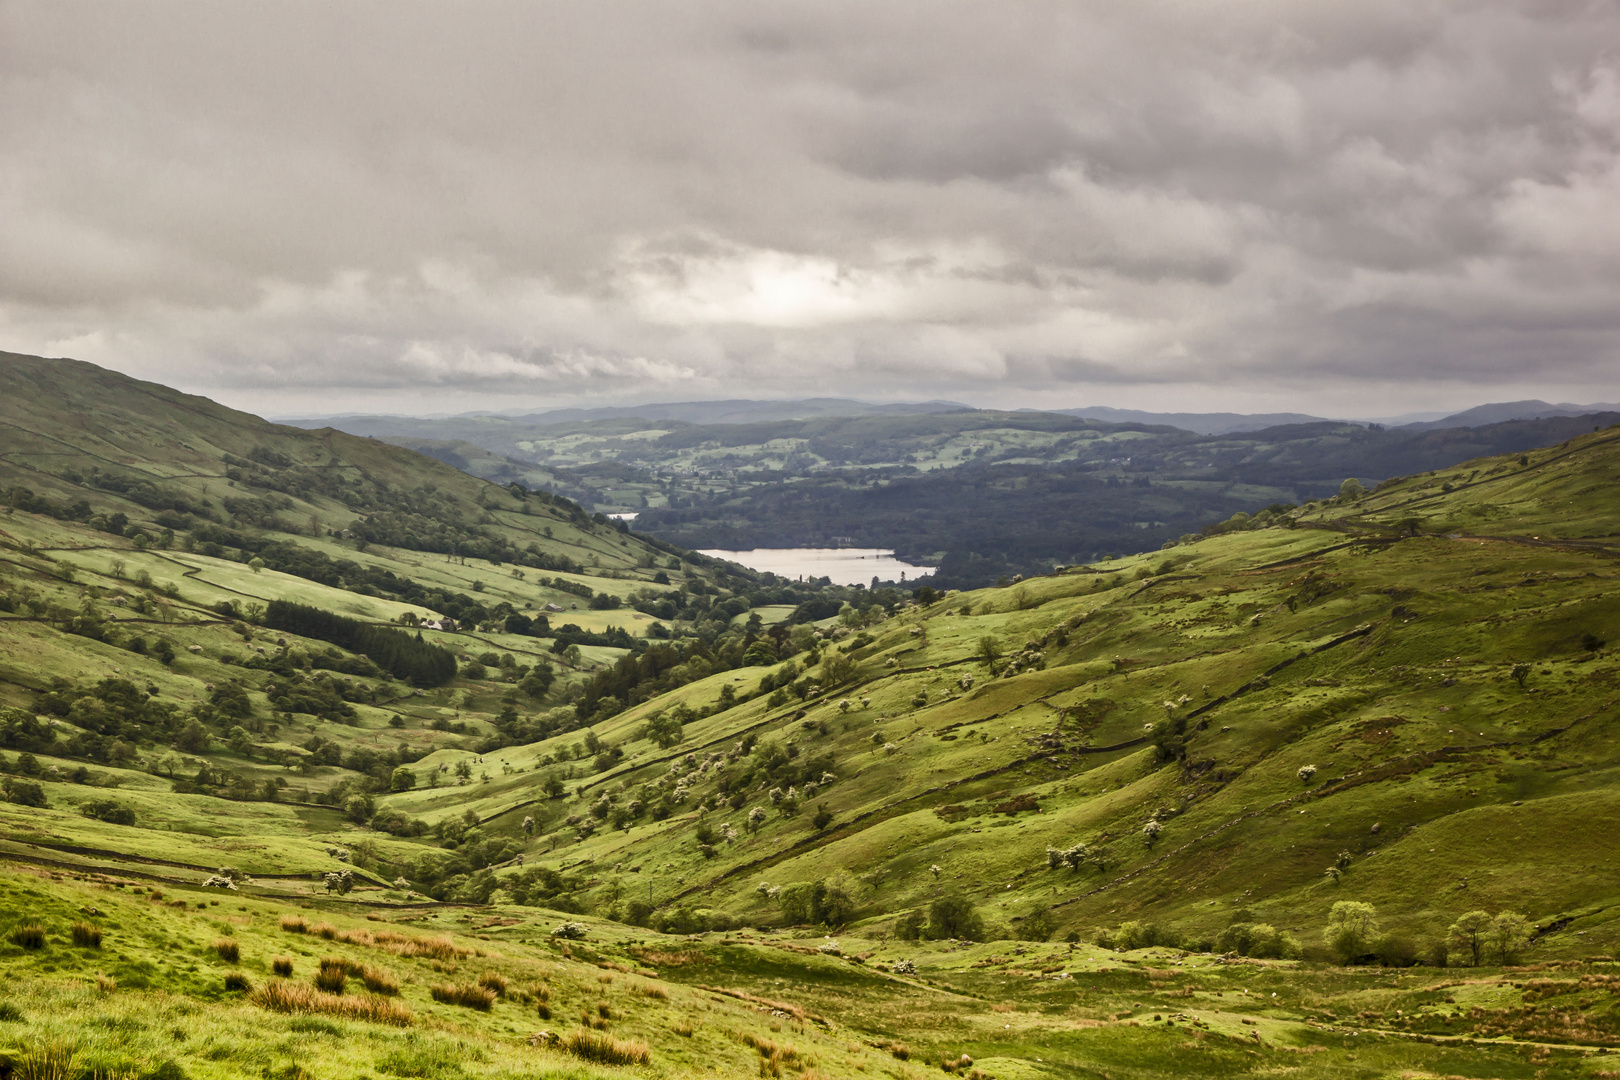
106 983
653 990
332 975
542 1010
235 980
292 997
324 930
773 1056
491 981
605 1049
228 949
440 948
294 924
282 965
469 995
378 980
683 1027
86 935
28 935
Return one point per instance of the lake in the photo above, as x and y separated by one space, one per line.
845 566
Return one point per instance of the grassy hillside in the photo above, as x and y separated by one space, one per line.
1038 825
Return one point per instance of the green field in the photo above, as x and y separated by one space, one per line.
1093 823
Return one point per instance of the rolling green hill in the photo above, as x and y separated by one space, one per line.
1091 823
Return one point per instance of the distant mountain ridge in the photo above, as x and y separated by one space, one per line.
750 411
1502 412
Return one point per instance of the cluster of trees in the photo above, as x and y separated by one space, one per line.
114 717
1354 936
403 655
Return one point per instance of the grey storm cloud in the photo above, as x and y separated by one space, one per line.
435 206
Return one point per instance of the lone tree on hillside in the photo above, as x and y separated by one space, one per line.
1471 934
1352 926
989 652
954 917
1509 933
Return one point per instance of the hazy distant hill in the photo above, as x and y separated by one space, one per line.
1201 423
1509 410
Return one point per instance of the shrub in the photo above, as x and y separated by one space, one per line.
228 950
295 998
904 967
954 917
1396 950
332 976
571 930
1038 926
86 935
28 935
605 1049
1260 940
1140 935
467 995
235 980
282 965
491 981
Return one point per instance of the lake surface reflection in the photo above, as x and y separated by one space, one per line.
845 566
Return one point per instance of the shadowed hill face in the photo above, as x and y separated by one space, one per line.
76 431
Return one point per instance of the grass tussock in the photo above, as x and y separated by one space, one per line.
332 975
653 990
294 924
86 935
469 996
683 1027
439 948
28 935
228 949
379 980
491 981
238 982
47 1061
282 965
773 1056
605 1049
106 983
289 997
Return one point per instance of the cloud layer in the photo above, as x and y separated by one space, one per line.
1336 207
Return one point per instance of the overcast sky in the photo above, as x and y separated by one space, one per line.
1341 208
